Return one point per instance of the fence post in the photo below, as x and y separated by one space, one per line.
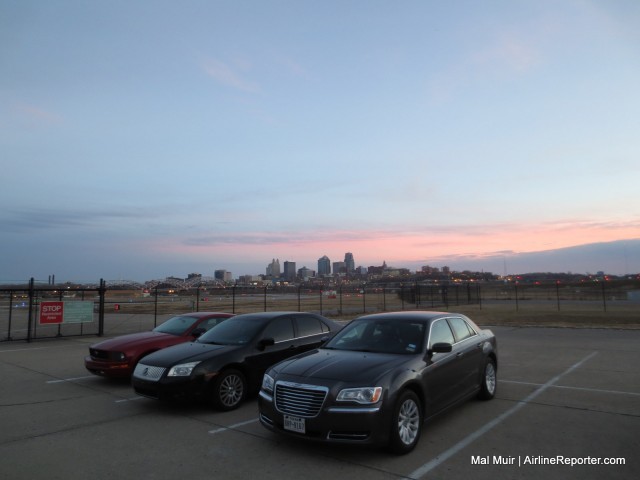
516 290
29 318
10 313
265 298
384 298
299 293
320 300
364 299
558 293
233 296
604 296
101 294
155 308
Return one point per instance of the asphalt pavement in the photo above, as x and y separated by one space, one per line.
567 407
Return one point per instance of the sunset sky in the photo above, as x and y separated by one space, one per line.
146 139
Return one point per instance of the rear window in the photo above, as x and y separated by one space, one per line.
308 326
461 329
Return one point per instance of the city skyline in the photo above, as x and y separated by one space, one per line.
144 139
628 253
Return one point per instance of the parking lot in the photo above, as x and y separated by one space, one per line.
564 396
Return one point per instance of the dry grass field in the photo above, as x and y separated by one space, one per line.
128 314
575 314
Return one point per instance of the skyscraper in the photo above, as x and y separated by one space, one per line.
324 266
349 262
273 269
290 271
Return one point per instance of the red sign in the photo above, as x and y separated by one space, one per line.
51 312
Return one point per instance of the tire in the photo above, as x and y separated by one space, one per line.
229 390
489 383
406 423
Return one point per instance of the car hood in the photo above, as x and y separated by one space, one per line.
186 352
341 365
138 339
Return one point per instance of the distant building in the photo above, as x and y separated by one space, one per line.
289 271
249 280
349 262
306 273
273 269
324 266
339 268
223 276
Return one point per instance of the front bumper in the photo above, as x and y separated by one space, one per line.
108 368
170 387
335 423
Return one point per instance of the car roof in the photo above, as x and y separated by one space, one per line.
270 315
409 316
204 314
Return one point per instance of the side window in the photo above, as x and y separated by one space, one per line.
460 328
308 326
440 333
280 329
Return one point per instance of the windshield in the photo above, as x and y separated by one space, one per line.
384 336
176 325
235 331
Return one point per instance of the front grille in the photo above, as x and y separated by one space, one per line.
299 400
99 354
148 372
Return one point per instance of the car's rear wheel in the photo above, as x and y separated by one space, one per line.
406 424
489 381
229 389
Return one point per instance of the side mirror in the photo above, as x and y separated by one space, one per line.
266 342
197 332
440 347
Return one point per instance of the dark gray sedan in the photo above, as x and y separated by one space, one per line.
228 362
379 378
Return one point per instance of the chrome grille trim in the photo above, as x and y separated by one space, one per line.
298 399
148 372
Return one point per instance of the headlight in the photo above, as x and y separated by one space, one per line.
360 395
267 383
182 370
118 356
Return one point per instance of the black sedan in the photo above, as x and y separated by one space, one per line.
228 362
379 378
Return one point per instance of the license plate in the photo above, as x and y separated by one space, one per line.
294 424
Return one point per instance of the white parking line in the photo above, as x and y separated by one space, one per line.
132 399
231 427
35 348
444 456
70 379
596 390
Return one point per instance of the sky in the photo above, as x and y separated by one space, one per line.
146 139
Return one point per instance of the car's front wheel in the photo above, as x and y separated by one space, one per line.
489 381
406 424
229 389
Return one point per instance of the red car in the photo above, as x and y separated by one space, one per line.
118 357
